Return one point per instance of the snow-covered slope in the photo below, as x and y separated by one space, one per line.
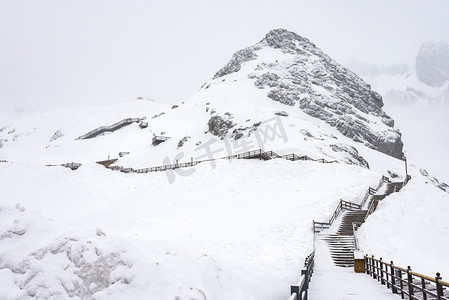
418 218
240 231
228 229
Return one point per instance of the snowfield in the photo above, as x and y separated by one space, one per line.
239 231
231 229
224 229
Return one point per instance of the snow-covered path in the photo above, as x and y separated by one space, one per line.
332 282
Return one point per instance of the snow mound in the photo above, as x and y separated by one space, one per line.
411 228
42 259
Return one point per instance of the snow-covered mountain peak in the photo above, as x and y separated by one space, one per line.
432 63
282 94
293 71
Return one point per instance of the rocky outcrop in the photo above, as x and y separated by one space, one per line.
353 156
220 125
236 61
302 75
183 141
281 113
432 63
244 130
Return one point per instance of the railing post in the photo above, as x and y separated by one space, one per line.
305 286
423 286
387 274
409 283
377 270
393 280
366 265
382 281
401 283
374 267
439 286
295 290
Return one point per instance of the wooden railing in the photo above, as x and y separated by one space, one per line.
374 202
372 191
369 192
372 207
253 154
406 282
261 154
318 226
110 128
300 290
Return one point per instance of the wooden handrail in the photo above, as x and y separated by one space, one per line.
341 205
392 277
294 296
300 290
411 272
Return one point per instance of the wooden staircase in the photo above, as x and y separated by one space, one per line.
341 248
110 128
354 216
342 244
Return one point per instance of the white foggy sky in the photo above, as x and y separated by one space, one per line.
56 53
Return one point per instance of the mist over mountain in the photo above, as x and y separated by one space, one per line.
176 214
417 96
432 63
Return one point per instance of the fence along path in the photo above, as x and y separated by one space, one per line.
261 154
300 290
333 278
110 128
405 282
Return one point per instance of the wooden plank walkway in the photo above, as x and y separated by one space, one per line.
337 283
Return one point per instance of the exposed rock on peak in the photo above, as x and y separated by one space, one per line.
301 74
287 41
236 61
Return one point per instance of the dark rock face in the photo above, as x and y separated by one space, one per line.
284 96
236 61
183 141
432 63
322 88
353 157
244 130
281 113
220 125
285 40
